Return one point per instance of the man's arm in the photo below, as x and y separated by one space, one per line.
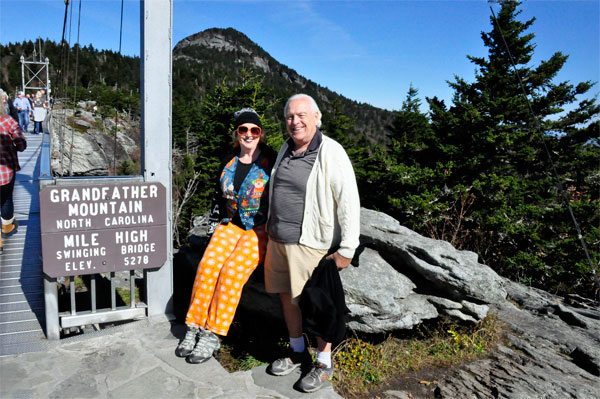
347 199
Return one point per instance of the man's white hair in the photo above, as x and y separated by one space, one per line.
313 106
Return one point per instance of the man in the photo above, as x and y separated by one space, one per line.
24 109
314 207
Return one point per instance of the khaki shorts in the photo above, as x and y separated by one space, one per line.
289 266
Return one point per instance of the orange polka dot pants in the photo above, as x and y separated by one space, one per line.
230 258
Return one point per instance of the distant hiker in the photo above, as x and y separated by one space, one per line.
8 106
11 141
238 243
39 112
314 208
24 109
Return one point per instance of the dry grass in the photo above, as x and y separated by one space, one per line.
363 367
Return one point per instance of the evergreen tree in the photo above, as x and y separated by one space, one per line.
494 151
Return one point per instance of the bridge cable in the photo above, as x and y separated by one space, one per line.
553 167
75 93
63 81
117 93
62 44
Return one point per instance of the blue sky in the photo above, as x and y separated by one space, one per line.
369 51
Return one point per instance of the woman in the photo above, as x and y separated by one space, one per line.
237 245
39 112
11 141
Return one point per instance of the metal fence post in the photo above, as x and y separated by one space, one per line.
51 307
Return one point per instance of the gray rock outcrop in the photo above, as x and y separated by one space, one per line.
451 273
551 347
551 351
83 143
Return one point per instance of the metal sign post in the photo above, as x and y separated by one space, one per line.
155 57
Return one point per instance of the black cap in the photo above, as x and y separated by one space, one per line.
247 115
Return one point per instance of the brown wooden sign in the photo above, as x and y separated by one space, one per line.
103 228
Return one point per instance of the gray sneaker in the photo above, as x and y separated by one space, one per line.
286 365
315 378
186 346
207 345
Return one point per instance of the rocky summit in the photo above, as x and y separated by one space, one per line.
552 345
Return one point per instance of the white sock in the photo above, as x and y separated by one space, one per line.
297 344
325 358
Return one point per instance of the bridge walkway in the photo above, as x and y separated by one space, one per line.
22 318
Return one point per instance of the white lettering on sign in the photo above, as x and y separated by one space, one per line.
125 237
79 194
128 220
104 208
136 260
98 228
81 240
73 223
78 265
138 248
80 253
102 193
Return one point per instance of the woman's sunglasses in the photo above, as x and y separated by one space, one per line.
243 130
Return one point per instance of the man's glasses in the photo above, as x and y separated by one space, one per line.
243 130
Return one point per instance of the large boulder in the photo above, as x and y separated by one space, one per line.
447 271
402 279
381 299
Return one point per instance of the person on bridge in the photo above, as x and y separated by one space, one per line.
23 106
238 243
11 141
39 112
7 103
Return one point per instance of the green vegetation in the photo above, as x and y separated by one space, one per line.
125 294
363 366
237 362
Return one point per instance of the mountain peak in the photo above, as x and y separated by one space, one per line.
219 39
215 54
227 39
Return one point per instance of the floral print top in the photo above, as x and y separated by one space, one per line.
249 200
